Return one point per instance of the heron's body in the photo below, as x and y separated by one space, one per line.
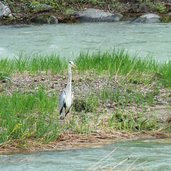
65 99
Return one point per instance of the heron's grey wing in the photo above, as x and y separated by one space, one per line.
62 101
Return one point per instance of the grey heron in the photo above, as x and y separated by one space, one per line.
65 98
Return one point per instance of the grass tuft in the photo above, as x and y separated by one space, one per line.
121 63
116 62
132 122
33 64
25 115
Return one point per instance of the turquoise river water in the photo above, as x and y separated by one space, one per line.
68 40
147 155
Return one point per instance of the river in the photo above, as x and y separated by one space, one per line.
68 40
148 155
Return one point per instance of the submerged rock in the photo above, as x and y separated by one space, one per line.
96 15
5 11
148 18
45 19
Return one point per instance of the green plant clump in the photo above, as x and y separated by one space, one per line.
28 115
132 122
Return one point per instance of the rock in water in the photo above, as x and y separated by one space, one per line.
96 15
148 18
5 10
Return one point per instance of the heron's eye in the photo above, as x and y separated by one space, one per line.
70 62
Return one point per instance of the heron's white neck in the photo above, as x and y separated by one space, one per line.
69 75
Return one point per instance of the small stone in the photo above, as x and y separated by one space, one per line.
52 20
43 79
4 81
5 11
52 86
169 120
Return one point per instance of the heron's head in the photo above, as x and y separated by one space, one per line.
71 63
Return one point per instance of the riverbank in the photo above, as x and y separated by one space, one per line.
71 141
116 97
50 11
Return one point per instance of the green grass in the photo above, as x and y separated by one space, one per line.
121 63
34 115
33 64
165 73
116 62
88 104
27 115
124 117
81 123
120 120
125 97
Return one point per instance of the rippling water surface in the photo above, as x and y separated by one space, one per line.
150 155
68 40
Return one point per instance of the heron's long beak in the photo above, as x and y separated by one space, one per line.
74 66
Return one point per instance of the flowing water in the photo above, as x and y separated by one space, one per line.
148 155
68 40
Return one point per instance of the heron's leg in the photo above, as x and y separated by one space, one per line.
62 113
68 111
62 117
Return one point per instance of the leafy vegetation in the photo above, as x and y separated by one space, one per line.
121 105
65 5
156 6
40 11
28 115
